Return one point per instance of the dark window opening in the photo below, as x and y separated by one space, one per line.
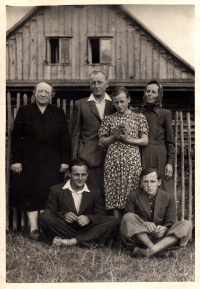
54 50
95 49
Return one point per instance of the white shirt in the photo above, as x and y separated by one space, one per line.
100 106
77 196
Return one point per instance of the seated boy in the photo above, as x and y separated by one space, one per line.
74 213
149 223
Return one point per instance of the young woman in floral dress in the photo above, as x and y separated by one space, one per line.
123 132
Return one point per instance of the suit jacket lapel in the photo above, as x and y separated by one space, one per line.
144 200
108 107
69 201
93 109
84 202
158 203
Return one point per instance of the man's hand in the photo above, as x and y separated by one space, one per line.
160 231
83 220
168 171
63 168
151 227
17 168
70 217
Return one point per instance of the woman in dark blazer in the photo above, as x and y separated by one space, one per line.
159 152
40 153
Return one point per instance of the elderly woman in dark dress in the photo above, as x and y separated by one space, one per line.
159 152
40 153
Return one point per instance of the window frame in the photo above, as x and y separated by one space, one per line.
100 38
48 50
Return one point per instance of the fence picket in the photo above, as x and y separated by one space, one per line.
189 169
25 99
182 169
175 157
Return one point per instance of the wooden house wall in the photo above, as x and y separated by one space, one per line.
136 55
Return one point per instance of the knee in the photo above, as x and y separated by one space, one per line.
187 224
45 217
128 216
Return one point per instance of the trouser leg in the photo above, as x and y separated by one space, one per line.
52 225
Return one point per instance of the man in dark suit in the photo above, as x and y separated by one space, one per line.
88 114
75 213
149 224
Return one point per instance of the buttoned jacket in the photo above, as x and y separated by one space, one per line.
61 201
164 210
86 123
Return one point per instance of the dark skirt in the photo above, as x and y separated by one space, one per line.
30 189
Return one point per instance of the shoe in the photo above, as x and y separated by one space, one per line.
140 253
35 235
166 254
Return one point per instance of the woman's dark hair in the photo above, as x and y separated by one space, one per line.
118 90
78 162
150 170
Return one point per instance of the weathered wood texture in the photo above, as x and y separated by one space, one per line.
135 53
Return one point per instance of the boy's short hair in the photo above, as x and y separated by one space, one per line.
78 162
150 170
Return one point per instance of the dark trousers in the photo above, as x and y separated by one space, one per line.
53 224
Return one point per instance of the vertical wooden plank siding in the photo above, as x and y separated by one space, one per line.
47 19
83 45
19 54
7 60
26 51
149 54
41 45
189 167
143 56
137 54
33 49
12 56
182 169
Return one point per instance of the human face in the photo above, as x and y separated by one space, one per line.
121 102
78 177
150 183
151 93
43 93
98 84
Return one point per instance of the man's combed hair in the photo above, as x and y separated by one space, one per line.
150 170
96 72
78 162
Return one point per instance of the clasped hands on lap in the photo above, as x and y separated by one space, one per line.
157 231
81 220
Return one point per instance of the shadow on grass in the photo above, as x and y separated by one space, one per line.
32 262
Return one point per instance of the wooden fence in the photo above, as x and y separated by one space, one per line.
183 165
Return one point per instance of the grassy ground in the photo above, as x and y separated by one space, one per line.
33 262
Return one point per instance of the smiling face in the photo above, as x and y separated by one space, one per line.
78 177
121 102
43 93
98 84
151 93
150 183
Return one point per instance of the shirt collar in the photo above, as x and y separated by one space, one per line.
92 98
68 186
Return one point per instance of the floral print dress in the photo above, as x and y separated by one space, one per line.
122 165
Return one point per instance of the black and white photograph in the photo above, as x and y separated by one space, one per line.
99 140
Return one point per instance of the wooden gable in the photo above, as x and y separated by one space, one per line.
136 54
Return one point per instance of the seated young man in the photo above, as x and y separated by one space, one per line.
149 222
74 213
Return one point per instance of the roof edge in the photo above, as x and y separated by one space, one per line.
21 21
156 38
